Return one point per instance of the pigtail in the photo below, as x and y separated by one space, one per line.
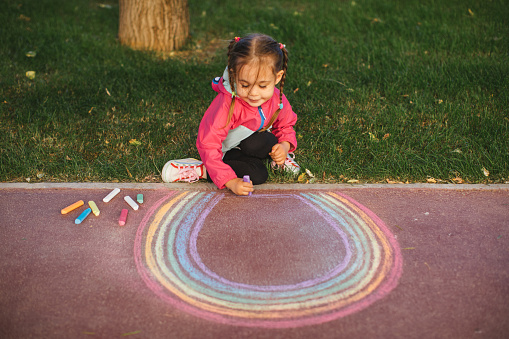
284 67
231 79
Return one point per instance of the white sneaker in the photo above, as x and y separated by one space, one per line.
290 165
188 170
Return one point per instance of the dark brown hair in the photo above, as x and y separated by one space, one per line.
263 48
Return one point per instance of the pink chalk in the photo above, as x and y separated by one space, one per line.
123 217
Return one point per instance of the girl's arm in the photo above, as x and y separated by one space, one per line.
239 187
283 126
211 134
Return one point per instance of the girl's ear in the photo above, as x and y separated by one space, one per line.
279 75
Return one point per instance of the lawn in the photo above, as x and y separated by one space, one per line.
385 91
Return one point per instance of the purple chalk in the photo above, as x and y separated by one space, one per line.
247 179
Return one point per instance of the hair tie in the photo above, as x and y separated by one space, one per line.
237 39
281 106
233 94
282 46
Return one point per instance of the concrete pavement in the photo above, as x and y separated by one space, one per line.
291 261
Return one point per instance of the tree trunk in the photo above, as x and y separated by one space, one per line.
156 25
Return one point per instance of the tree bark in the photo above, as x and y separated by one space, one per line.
156 25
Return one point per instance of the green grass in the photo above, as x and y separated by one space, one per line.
394 90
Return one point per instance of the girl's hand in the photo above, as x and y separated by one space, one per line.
239 187
279 152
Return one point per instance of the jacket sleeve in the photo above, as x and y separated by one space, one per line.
211 133
283 126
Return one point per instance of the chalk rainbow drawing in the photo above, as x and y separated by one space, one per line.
168 261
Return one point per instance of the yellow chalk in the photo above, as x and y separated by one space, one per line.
72 207
94 208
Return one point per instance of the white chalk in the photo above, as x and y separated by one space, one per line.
131 202
111 195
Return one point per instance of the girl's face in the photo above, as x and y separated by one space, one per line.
256 83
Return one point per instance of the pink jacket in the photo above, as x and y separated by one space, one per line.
214 140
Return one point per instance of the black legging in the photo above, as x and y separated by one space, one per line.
249 159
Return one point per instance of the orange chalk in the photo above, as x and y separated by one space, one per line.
72 207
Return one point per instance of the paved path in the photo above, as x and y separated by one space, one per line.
296 261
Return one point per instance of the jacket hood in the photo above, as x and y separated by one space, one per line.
222 84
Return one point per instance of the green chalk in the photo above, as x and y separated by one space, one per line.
139 198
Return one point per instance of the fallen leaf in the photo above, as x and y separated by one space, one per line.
386 136
393 182
31 54
352 181
486 172
309 173
372 137
458 180
309 83
296 90
134 142
470 12
30 75
108 92
301 177
431 180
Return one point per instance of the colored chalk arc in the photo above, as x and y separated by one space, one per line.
168 261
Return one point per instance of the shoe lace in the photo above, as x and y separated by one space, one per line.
289 159
288 162
188 174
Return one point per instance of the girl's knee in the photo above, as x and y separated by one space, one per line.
259 177
258 144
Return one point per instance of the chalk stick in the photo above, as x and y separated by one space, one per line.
111 195
94 208
82 216
247 179
72 207
131 202
139 198
123 217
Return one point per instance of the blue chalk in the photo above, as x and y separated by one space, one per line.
82 216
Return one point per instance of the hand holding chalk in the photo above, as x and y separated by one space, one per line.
247 179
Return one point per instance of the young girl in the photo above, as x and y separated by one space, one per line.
234 138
